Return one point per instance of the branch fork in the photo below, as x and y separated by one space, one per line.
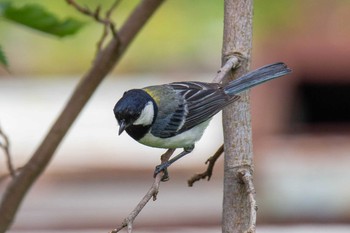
233 61
109 25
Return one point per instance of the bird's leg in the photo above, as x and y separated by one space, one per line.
163 167
164 158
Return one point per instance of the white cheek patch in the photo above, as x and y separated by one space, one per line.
146 116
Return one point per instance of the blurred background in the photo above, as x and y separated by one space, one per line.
301 123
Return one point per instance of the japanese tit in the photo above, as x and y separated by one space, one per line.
175 115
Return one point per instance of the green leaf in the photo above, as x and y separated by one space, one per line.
3 59
36 17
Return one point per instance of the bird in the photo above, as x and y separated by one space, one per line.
175 115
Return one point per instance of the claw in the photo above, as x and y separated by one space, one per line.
160 168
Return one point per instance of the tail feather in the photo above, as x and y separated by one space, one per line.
256 77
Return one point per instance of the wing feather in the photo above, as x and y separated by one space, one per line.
191 104
203 101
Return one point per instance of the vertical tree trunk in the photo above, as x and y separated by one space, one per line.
236 118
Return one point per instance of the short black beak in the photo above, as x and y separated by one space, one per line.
122 126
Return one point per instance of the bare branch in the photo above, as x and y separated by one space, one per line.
106 21
108 25
207 173
108 16
247 179
232 63
5 146
94 14
152 192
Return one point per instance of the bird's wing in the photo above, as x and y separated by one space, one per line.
203 101
171 111
183 105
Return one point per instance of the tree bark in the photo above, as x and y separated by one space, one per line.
103 64
237 39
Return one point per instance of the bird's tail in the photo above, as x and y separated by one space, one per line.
257 77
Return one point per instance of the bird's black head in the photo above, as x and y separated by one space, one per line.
131 109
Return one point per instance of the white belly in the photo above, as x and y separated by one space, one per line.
182 140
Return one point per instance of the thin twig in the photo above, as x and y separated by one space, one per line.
152 192
108 25
207 173
5 146
232 63
86 11
106 21
247 179
108 16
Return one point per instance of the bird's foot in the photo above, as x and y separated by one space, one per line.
162 168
